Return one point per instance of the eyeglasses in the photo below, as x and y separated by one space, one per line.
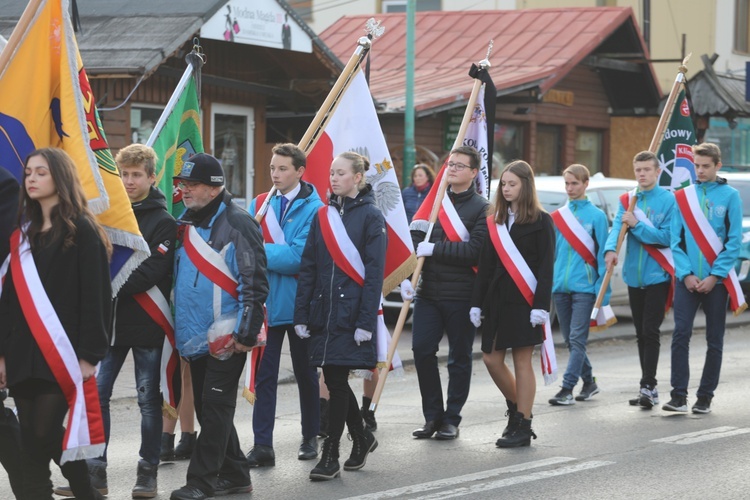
457 166
187 186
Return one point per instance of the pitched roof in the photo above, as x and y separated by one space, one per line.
532 49
717 94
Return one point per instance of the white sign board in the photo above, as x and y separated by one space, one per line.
257 22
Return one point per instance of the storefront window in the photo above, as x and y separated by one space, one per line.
143 118
508 145
589 149
733 138
548 147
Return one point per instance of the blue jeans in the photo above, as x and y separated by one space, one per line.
264 413
574 314
685 306
431 320
147 377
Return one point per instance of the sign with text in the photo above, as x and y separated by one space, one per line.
257 22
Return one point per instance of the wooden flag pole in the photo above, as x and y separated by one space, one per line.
484 64
19 32
653 147
324 114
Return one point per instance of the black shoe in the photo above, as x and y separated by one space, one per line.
447 432
308 450
145 483
677 403
97 476
188 492
511 413
588 391
167 447
261 456
703 405
563 398
367 415
184 448
363 443
328 466
520 436
427 430
226 487
323 432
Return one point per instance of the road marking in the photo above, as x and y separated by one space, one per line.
476 476
704 435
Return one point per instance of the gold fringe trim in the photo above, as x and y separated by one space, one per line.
601 328
168 410
740 309
249 396
399 274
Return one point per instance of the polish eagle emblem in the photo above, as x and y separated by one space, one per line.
387 193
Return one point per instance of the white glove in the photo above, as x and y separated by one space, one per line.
425 249
475 314
361 335
538 317
302 331
407 291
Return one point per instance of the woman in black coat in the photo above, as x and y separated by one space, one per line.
338 313
71 252
510 322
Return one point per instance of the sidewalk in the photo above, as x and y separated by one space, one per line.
623 330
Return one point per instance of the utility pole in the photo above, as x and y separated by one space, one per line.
409 158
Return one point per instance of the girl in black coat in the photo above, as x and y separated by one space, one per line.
510 322
71 253
340 315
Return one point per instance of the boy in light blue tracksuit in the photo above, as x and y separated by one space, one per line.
648 282
294 206
575 286
699 283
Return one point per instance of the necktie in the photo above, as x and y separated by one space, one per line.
284 202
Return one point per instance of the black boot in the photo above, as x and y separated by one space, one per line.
367 415
145 483
520 436
167 447
323 432
184 448
363 442
512 414
328 467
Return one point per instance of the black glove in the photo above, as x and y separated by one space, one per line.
244 336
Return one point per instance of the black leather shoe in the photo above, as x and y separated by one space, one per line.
226 487
446 432
308 450
427 430
188 492
261 456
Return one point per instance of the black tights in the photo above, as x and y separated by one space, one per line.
41 418
343 406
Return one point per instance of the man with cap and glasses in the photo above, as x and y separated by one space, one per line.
220 272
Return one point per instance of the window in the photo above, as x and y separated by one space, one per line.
733 137
143 118
548 146
400 5
232 142
508 145
741 24
589 149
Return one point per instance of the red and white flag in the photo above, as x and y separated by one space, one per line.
354 127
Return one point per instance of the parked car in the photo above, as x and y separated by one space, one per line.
741 182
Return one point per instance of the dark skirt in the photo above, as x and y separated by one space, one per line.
513 329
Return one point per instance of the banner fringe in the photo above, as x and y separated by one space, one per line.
399 274
249 396
82 453
168 411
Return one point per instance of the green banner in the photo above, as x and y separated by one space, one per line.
676 151
177 141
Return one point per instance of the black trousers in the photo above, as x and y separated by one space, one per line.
41 412
10 448
647 305
343 406
217 451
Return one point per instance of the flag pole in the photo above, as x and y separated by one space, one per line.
484 64
653 147
18 33
324 114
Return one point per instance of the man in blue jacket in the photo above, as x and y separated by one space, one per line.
220 273
648 281
293 207
700 282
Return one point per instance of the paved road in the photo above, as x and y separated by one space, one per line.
598 449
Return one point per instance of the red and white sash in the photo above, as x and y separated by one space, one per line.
211 264
347 258
157 307
272 232
662 256
526 282
708 242
84 434
575 234
452 225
